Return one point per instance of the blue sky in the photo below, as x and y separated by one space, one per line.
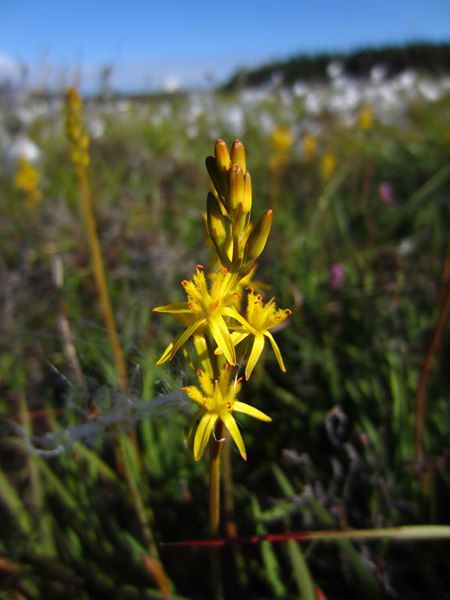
149 41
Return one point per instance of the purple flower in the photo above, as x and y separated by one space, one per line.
385 192
337 276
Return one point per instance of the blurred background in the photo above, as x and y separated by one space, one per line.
146 47
344 110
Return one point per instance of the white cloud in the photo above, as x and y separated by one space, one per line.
10 69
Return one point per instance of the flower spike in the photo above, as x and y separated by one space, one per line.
214 315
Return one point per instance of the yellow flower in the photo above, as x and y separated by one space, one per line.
309 146
281 144
217 399
205 309
78 137
328 165
281 140
365 119
260 319
26 179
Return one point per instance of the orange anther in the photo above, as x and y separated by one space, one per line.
184 282
199 267
288 311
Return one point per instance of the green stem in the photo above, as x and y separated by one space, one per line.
100 277
228 505
122 453
214 480
431 354
214 506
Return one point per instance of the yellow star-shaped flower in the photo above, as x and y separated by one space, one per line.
206 309
218 400
261 317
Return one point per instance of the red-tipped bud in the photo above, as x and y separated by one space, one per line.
238 155
236 186
258 237
222 155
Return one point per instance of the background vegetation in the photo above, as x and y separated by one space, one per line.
357 251
419 56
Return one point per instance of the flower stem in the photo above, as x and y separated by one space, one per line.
214 480
100 278
430 356
214 506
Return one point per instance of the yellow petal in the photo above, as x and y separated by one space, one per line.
175 307
183 338
203 433
233 313
206 383
236 338
276 350
194 394
232 427
165 355
192 422
222 337
250 410
257 348
201 348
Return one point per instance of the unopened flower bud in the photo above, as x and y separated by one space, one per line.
215 220
222 155
238 155
217 177
258 237
236 187
247 198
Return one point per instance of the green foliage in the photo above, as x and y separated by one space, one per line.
427 57
340 451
